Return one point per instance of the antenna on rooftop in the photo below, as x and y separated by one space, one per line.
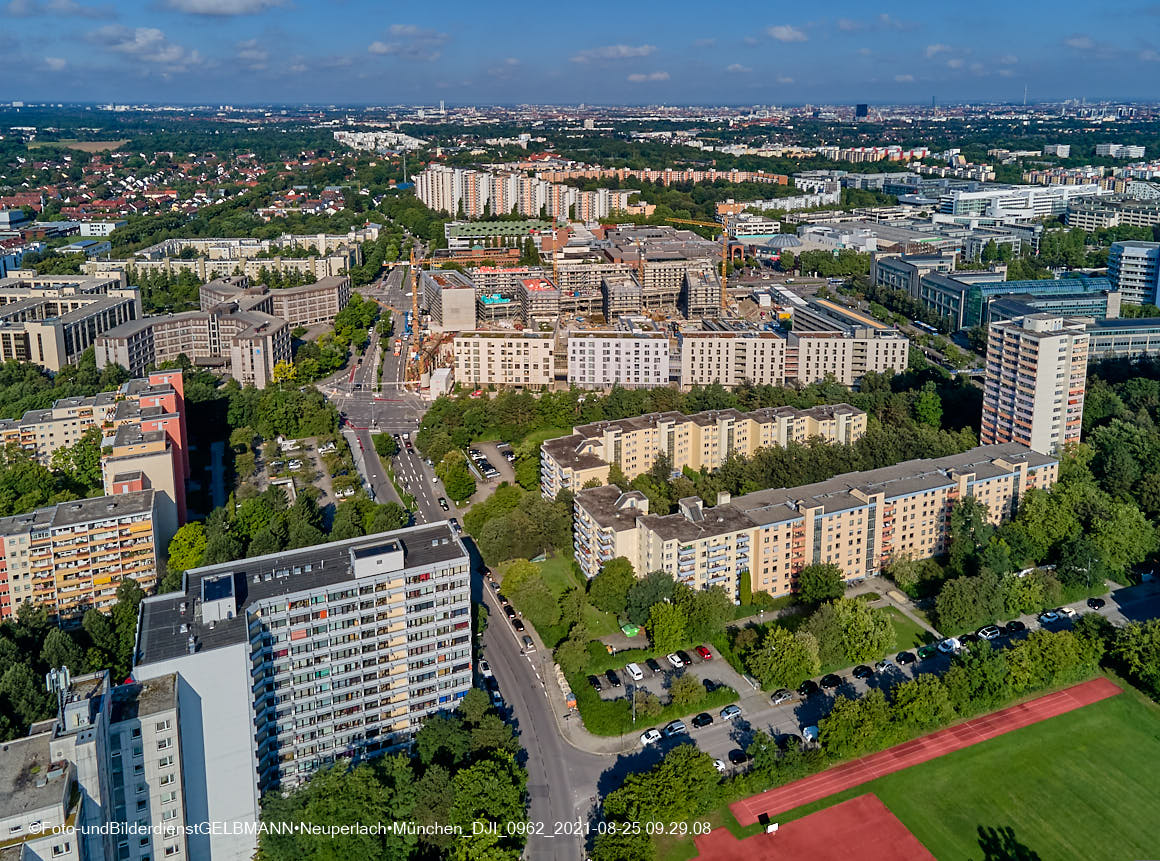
57 682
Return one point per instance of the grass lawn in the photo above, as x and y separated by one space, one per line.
558 574
907 634
1076 786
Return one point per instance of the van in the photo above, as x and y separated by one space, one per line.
635 672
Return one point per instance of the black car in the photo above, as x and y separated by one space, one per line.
518 624
702 720
509 610
905 658
969 638
684 656
595 682
710 685
1015 627
653 665
831 681
739 757
1095 603
613 678
443 503
860 672
808 688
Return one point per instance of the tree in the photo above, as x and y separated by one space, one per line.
61 650
284 373
456 476
645 592
968 602
385 445
922 703
608 590
680 786
820 582
707 611
1137 648
187 547
443 739
686 690
23 695
624 845
866 632
666 627
855 726
928 406
491 790
524 584
784 659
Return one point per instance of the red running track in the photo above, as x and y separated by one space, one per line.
828 835
841 777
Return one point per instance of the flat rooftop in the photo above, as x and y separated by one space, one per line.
29 780
141 699
159 635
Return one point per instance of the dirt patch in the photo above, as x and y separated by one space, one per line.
83 146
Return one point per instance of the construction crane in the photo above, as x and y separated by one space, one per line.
724 227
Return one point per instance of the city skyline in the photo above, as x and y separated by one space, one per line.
261 51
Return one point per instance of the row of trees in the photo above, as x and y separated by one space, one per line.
515 523
464 772
25 386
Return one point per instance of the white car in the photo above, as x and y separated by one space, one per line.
675 660
884 664
485 670
649 736
720 765
730 712
328 448
950 646
810 734
1067 611
295 464
345 493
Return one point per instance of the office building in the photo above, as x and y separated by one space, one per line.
51 319
904 271
1092 215
703 441
964 298
1019 201
632 360
1115 150
304 305
1059 150
449 299
1036 377
111 758
861 112
292 661
468 235
71 557
1134 270
701 294
858 521
1118 339
505 359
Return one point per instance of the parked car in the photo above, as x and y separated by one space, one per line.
1066 611
784 695
788 740
1095 603
485 670
702 720
653 665
739 757
634 672
1047 617
684 656
808 688
295 464
730 712
1015 626
863 672
613 678
595 683
969 637
925 652
509 611
704 652
649 736
831 680
675 660
810 734
518 624
675 728
529 644
883 665
905 658
720 765
710 685
950 646
443 503
988 632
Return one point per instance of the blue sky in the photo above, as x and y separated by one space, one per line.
678 52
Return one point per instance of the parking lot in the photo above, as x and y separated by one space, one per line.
714 670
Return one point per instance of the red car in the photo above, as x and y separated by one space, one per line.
704 652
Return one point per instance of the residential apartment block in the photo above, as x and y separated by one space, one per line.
634 360
858 521
292 661
505 359
1092 215
1134 270
50 320
71 557
449 298
144 440
111 758
1036 377
703 441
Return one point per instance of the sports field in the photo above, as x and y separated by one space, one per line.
1080 785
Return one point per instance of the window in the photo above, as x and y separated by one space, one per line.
172 850
167 779
165 761
61 849
142 804
165 744
161 726
168 815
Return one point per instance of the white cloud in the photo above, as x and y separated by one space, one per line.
738 69
954 63
704 43
936 49
70 8
782 79
1008 60
865 52
904 79
613 52
253 55
882 22
147 44
1150 56
978 68
1006 73
786 33
414 43
890 23
299 68
849 25
1080 43
640 78
55 64
222 8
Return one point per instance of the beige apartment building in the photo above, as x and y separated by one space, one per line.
71 557
449 298
858 521
505 359
703 441
778 359
1035 383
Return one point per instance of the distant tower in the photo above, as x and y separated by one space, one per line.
442 110
932 102
861 111
1024 95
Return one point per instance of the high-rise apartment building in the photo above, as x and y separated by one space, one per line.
1134 268
292 661
1036 378
505 359
634 360
449 298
